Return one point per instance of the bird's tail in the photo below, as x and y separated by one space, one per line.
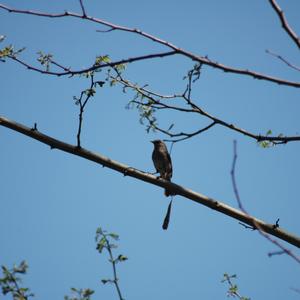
167 217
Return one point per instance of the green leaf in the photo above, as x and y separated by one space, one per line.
265 144
101 244
45 59
6 51
4 269
90 92
233 289
120 67
106 59
122 258
114 236
87 292
99 231
102 59
6 290
113 82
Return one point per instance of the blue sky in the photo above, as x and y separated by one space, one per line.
52 202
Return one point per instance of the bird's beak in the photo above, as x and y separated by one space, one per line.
152 142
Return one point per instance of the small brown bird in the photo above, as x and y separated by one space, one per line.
162 161
163 165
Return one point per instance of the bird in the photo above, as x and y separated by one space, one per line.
162 162
163 165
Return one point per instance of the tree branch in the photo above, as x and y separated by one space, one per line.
283 60
254 223
184 135
82 104
157 104
201 59
69 72
132 172
285 23
82 8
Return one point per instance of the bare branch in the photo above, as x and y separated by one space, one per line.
82 8
104 31
254 223
69 72
233 289
67 69
270 254
246 226
184 134
283 59
201 59
82 103
147 177
195 109
285 23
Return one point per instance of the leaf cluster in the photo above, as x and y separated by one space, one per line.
45 59
10 282
80 294
233 290
8 51
266 143
106 241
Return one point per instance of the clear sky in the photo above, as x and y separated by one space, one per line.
52 202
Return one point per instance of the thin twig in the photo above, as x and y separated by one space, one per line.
246 226
254 222
283 60
233 291
103 242
270 254
195 109
105 30
82 8
113 261
184 134
59 65
82 105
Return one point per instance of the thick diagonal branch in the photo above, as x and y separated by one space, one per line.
144 176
